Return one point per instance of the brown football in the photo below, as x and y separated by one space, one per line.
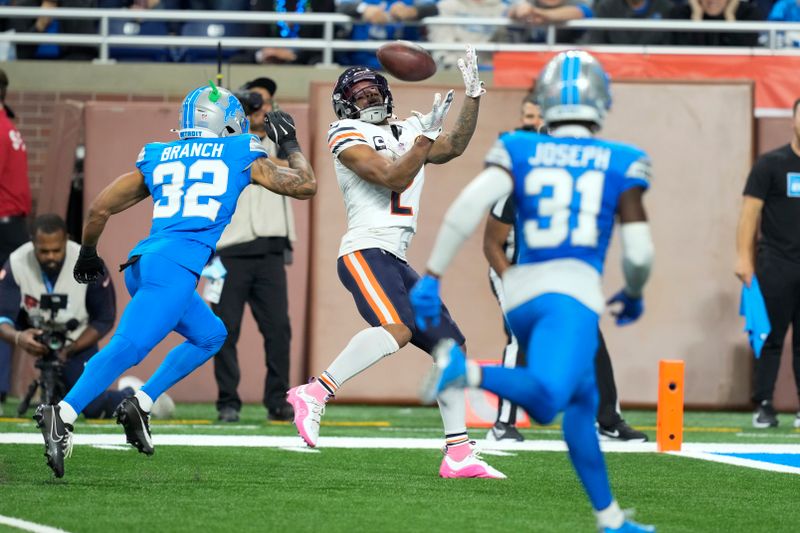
406 61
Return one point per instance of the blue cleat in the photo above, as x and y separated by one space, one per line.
629 526
449 370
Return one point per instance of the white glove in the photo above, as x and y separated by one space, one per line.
469 69
430 125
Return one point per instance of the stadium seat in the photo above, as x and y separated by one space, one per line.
133 28
209 29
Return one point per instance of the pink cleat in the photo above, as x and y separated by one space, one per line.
307 413
470 466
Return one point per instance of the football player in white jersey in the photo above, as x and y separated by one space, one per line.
379 164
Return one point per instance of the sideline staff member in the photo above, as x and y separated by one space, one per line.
45 266
772 198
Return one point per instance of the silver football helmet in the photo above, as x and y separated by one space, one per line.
212 111
573 87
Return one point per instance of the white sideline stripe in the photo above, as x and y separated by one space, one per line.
740 461
261 441
28 526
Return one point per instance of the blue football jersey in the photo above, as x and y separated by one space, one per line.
566 190
195 184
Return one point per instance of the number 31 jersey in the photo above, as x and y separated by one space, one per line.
195 185
377 217
566 190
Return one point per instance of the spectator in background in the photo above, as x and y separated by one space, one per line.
44 266
727 10
771 204
373 20
540 13
787 11
255 249
630 9
466 34
285 30
15 206
55 25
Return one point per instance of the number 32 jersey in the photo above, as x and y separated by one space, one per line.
377 217
195 185
566 190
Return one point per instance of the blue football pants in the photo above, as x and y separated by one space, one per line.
163 300
560 336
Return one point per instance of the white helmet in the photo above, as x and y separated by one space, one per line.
212 111
573 87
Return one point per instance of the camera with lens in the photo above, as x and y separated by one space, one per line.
55 336
251 101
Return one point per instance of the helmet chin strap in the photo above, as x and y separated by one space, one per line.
374 115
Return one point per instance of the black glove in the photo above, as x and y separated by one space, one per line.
89 267
282 131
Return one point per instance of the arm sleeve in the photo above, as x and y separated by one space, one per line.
466 213
342 136
101 304
10 296
758 181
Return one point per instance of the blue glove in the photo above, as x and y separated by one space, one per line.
426 303
631 309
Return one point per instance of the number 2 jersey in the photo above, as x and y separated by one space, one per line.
566 190
195 185
377 217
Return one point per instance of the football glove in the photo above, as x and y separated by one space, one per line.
426 303
431 125
281 130
630 309
468 66
89 267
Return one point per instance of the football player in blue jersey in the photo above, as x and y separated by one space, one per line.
195 183
568 187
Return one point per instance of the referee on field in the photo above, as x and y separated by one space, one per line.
772 202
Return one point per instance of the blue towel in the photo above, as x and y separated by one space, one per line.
754 311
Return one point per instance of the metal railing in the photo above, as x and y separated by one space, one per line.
328 44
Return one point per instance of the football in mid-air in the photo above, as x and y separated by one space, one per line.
406 61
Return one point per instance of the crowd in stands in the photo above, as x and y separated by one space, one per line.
399 19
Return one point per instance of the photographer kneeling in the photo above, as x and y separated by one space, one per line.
44 267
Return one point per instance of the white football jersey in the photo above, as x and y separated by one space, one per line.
377 217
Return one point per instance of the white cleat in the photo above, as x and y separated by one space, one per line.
471 466
307 413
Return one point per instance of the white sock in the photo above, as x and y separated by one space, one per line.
611 517
67 413
366 348
474 374
145 401
452 406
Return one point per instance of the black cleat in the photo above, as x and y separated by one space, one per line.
57 436
765 416
136 422
503 431
621 431
284 413
228 414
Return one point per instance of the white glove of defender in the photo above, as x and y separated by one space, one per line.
469 70
430 125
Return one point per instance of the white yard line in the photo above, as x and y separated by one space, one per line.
28 526
740 461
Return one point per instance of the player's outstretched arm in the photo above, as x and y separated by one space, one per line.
297 181
124 192
453 143
396 175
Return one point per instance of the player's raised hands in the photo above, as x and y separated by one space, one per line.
89 267
431 125
468 65
281 130
426 302
628 308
